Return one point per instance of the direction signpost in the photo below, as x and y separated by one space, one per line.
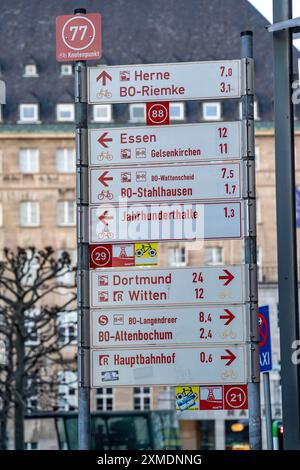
221 79
177 326
165 222
162 287
166 183
184 143
155 184
169 366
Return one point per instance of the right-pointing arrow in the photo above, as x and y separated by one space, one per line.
230 358
228 278
229 316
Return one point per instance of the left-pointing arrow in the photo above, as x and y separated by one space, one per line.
105 217
229 358
103 139
104 178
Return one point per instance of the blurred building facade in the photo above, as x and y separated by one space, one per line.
37 154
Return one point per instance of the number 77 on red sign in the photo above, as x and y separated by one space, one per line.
78 37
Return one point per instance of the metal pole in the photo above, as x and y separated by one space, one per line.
268 410
83 309
250 248
286 225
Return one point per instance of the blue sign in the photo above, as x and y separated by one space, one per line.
265 352
298 207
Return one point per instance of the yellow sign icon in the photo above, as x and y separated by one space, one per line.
187 398
146 254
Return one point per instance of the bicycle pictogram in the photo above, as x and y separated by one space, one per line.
147 248
104 93
105 195
105 234
105 155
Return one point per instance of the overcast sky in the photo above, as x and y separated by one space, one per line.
265 7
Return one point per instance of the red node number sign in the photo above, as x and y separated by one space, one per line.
78 37
235 397
100 256
158 114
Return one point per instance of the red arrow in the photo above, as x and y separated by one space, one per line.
230 358
103 76
229 277
103 178
103 139
104 217
229 317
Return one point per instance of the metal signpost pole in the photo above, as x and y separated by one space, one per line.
286 225
268 410
83 320
250 248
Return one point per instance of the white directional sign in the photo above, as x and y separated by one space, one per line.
161 222
166 144
163 287
165 82
172 183
168 327
169 366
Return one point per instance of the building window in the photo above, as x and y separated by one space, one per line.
65 112
67 390
102 113
29 214
213 255
29 160
67 327
255 110
1 113
104 399
30 70
32 395
211 111
67 277
65 160
31 445
3 357
259 264
66 70
178 256
29 112
141 398
258 211
177 111
32 336
257 157
66 213
137 112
